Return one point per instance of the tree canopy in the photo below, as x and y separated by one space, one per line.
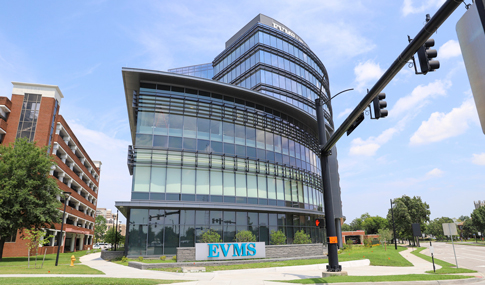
27 191
99 227
478 219
435 227
372 225
406 212
112 236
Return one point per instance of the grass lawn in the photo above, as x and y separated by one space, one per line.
82 281
391 278
446 267
18 265
377 256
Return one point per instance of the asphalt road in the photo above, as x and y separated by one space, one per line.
471 257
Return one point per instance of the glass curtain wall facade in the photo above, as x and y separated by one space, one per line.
212 154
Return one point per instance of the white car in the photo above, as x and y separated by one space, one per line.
101 246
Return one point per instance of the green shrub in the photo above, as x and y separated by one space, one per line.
211 236
302 238
278 237
367 242
140 258
174 257
163 257
124 259
245 236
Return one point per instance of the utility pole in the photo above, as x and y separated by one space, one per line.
394 227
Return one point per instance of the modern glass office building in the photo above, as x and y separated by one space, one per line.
228 146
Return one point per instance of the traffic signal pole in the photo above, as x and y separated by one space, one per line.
325 146
332 244
434 23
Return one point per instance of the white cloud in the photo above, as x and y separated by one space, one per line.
424 5
479 159
365 72
450 49
370 146
441 126
344 112
419 97
435 173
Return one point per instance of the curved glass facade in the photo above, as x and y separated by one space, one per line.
238 152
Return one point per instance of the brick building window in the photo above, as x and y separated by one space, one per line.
28 116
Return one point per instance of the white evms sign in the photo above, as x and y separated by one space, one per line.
233 250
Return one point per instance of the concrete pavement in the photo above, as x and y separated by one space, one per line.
251 276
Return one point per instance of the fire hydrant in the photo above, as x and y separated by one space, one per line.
72 260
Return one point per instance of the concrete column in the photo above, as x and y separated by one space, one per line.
58 129
81 175
73 243
55 148
61 177
81 242
74 148
82 160
69 182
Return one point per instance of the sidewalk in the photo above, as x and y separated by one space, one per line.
249 276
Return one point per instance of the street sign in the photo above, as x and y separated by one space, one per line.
416 230
471 35
449 229
431 249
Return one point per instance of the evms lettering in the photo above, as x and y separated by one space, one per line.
243 249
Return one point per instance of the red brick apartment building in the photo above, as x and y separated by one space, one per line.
33 113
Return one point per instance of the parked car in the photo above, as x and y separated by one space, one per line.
101 245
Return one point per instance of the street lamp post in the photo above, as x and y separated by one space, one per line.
394 227
59 239
116 231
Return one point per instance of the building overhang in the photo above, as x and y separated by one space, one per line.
124 207
133 76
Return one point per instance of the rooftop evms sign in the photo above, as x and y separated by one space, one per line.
288 32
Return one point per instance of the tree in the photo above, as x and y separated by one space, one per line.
478 219
385 236
302 238
245 236
211 236
278 237
435 227
469 229
372 225
112 236
99 227
35 238
346 228
27 191
406 212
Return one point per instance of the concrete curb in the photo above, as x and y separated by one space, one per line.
434 282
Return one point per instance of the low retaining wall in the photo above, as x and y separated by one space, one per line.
110 255
141 265
185 254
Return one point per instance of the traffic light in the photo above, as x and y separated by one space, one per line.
379 105
320 223
425 54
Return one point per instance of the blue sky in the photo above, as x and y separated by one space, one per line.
431 144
